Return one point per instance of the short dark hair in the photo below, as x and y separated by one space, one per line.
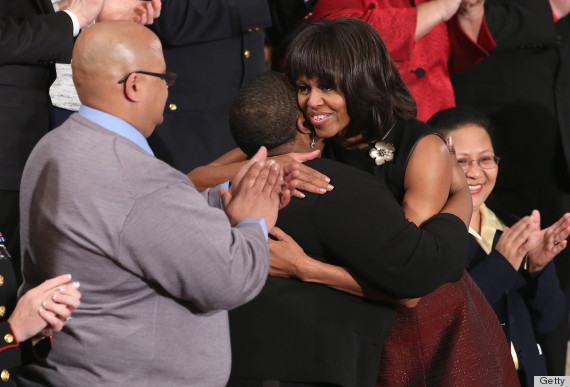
448 120
350 54
264 112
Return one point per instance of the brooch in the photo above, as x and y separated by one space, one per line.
382 152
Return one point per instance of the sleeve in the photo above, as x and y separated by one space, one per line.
381 245
11 352
397 26
546 300
464 52
195 254
36 39
495 276
520 24
187 22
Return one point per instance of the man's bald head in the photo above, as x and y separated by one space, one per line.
107 51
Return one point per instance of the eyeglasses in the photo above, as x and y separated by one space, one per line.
169 77
485 162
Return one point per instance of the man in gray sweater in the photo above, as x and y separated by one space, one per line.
159 264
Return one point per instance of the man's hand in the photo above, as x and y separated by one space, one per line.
85 10
142 12
255 191
45 309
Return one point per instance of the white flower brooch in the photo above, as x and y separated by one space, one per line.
382 152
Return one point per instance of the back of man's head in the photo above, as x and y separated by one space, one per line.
265 113
113 51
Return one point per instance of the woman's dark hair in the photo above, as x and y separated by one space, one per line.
448 120
350 55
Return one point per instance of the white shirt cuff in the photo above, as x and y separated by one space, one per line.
75 21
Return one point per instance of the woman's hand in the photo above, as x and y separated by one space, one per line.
516 241
551 241
309 180
45 309
286 255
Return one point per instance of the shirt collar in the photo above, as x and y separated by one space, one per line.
116 125
490 224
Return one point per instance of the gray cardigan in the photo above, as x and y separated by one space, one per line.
158 265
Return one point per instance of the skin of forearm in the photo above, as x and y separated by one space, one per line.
470 19
429 15
342 279
211 175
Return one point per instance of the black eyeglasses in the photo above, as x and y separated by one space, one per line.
169 77
485 162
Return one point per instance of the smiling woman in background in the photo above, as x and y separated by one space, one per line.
511 265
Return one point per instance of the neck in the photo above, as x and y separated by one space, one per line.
475 223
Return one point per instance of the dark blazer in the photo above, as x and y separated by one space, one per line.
32 38
305 332
214 46
525 303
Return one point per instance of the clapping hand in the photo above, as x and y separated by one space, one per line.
551 241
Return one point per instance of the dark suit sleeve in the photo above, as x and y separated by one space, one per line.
10 351
495 276
36 39
520 24
546 300
186 22
364 229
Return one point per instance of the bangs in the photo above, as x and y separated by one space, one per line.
314 54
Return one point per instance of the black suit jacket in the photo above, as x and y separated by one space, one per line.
214 46
32 38
306 332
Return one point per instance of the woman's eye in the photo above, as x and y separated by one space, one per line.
303 88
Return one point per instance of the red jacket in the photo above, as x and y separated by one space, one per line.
425 64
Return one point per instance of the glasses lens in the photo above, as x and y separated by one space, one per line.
464 163
170 78
487 162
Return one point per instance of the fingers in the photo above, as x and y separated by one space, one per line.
313 181
302 157
55 323
271 176
225 196
59 310
280 234
50 284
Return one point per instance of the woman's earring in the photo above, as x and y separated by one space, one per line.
312 140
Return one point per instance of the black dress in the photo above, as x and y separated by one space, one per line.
452 337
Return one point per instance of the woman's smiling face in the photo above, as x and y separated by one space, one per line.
473 142
323 105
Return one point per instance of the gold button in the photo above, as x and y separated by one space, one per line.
249 31
9 338
1 280
247 54
173 107
307 16
5 375
257 28
2 311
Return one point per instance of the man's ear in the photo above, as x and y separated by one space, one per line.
301 124
131 87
